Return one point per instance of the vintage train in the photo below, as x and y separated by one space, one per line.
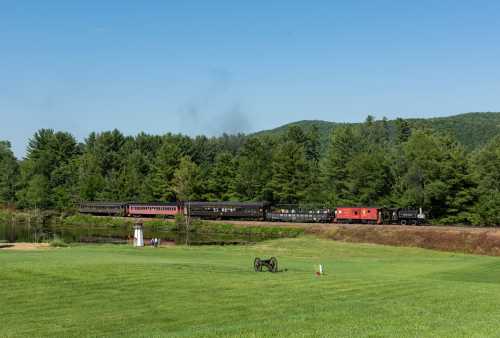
259 211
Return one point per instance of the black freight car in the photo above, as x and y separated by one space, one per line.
103 208
294 213
226 210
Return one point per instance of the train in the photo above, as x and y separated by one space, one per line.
259 211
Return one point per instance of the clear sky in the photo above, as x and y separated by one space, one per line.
207 67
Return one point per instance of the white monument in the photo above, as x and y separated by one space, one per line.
138 235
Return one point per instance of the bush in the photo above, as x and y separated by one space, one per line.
86 220
58 243
263 231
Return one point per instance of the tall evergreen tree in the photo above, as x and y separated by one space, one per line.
341 149
254 170
403 130
486 174
436 177
9 173
43 171
290 170
220 182
368 180
164 165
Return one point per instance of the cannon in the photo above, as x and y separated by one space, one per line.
271 264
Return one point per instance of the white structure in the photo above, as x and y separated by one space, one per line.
138 235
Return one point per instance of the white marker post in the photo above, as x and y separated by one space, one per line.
321 269
138 235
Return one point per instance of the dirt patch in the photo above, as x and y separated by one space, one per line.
24 246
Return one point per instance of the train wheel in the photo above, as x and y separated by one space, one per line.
257 265
274 264
403 222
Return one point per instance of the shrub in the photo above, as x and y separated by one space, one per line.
58 243
97 220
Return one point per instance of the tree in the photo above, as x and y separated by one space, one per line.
436 177
221 177
485 167
334 171
43 171
403 130
313 145
253 170
290 173
90 180
368 180
187 180
9 173
37 192
163 168
131 178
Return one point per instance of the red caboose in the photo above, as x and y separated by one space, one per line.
152 209
358 215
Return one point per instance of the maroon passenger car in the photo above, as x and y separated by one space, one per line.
152 209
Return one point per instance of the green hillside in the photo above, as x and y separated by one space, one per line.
471 129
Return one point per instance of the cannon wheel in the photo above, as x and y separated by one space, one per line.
273 264
257 265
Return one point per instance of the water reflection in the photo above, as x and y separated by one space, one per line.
24 232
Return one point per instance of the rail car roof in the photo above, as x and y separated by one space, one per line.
113 204
153 204
228 204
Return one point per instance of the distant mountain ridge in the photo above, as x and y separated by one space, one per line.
471 129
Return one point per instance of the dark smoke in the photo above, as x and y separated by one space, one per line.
200 111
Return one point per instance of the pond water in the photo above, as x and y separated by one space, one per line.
24 232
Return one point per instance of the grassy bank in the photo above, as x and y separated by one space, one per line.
464 240
368 290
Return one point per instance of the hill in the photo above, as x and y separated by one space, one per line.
471 129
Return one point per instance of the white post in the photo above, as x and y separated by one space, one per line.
321 269
138 235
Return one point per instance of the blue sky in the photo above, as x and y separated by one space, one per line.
207 67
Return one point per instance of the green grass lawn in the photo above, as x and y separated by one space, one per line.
368 290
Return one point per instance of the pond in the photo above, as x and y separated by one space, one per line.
29 232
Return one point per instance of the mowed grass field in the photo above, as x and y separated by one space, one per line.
368 290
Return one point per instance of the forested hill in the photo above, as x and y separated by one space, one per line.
397 163
471 129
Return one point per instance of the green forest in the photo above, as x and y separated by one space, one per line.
448 166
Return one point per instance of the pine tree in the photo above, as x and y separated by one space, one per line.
220 182
43 172
436 177
486 174
403 130
162 174
9 173
290 170
254 170
334 171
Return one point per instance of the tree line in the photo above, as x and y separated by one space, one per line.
373 163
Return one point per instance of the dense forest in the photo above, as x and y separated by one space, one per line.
437 164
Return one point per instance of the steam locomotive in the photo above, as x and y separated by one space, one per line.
259 211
